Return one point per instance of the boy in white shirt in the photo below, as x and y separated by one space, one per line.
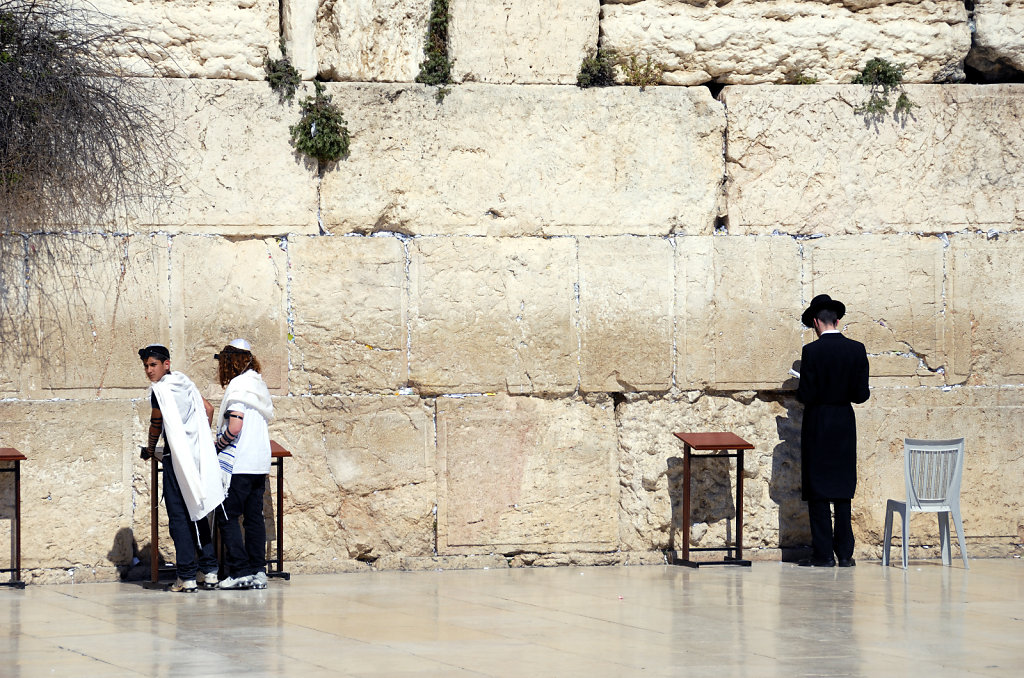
243 447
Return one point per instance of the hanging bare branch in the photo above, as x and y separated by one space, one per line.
77 134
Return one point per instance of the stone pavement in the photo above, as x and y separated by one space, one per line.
773 619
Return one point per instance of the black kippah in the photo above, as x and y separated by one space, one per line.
155 350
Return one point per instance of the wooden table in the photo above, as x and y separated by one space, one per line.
13 455
277 455
718 445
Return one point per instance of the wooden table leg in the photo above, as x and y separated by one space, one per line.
280 515
686 502
739 504
154 532
17 521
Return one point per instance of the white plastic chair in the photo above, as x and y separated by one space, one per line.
932 470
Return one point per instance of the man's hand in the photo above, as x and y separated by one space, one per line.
146 453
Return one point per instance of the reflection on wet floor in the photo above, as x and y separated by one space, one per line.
773 619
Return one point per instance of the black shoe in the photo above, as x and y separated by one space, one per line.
815 562
847 562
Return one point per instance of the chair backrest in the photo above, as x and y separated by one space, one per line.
932 469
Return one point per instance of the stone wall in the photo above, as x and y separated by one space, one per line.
482 328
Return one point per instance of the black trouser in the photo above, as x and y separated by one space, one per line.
189 537
245 499
825 539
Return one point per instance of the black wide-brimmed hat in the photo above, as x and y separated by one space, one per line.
822 302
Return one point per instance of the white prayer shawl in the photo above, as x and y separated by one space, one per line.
249 389
195 458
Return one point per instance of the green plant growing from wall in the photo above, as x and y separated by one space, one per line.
436 68
798 78
321 132
598 69
882 78
282 77
78 136
639 74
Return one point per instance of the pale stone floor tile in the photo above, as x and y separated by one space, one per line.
769 620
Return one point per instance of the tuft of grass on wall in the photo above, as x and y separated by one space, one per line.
882 78
321 132
598 69
436 67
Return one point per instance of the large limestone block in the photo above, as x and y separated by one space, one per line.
990 419
518 41
223 289
371 40
893 290
349 317
774 41
998 45
626 294
985 315
93 301
361 483
76 488
298 29
800 160
525 474
198 38
15 347
493 314
738 310
527 160
651 463
230 166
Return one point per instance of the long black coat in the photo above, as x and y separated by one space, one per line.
833 374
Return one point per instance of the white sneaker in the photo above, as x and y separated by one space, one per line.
208 580
183 586
259 580
235 583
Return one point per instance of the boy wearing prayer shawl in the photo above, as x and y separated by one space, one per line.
243 447
192 487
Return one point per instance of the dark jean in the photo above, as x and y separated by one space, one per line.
246 556
190 537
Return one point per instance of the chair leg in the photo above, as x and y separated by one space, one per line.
958 524
944 537
906 534
887 535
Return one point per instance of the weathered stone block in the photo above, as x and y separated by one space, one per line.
493 314
800 160
985 315
518 41
650 472
76 486
299 28
349 316
626 313
244 296
997 47
15 347
753 41
525 474
92 302
738 312
361 483
199 38
231 168
893 290
527 160
990 420
371 40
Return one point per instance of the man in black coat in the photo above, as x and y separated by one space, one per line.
833 374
